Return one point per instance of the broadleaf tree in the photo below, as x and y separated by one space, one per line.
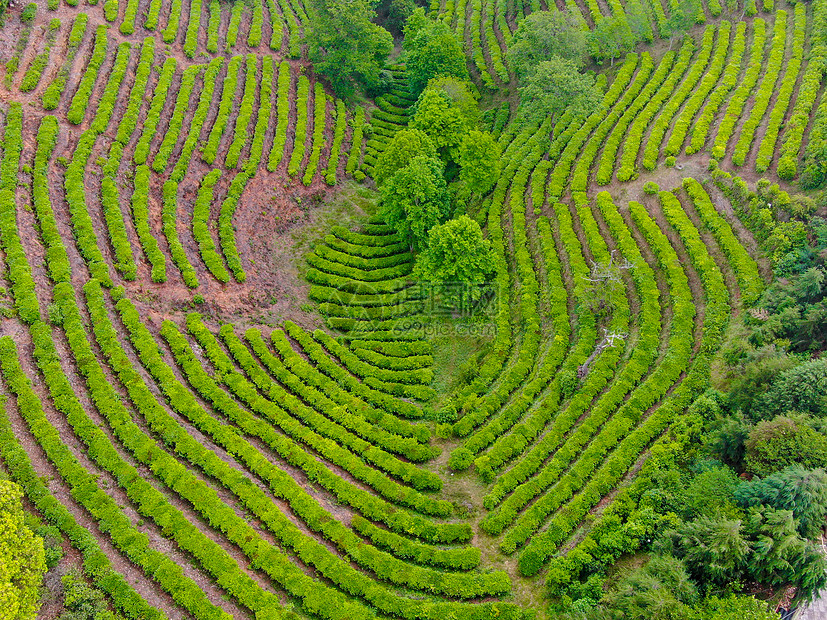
415 199
431 50
544 34
456 252
345 45
554 86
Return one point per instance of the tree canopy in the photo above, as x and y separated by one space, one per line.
554 86
456 252
544 34
22 558
345 45
415 199
405 145
442 121
479 160
431 50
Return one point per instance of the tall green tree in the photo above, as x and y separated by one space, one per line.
415 199
544 34
457 252
479 161
441 120
611 38
431 50
554 86
22 558
714 549
776 444
345 45
802 491
405 145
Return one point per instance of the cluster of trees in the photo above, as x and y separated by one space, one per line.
550 49
441 144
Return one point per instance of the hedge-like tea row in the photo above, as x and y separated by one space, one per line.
193 26
96 563
372 235
739 98
57 261
746 270
352 362
182 400
129 17
282 117
560 173
302 103
807 93
612 143
129 120
664 119
34 72
342 240
784 94
111 205
316 353
152 14
77 109
348 285
292 27
716 98
256 24
150 125
392 362
226 229
176 121
75 192
585 444
376 263
509 445
235 21
319 118
580 176
85 489
347 392
53 92
169 222
634 135
245 112
198 120
276 25
484 408
606 478
705 86
354 273
335 296
140 216
210 150
200 227
212 26
171 31
20 276
358 424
